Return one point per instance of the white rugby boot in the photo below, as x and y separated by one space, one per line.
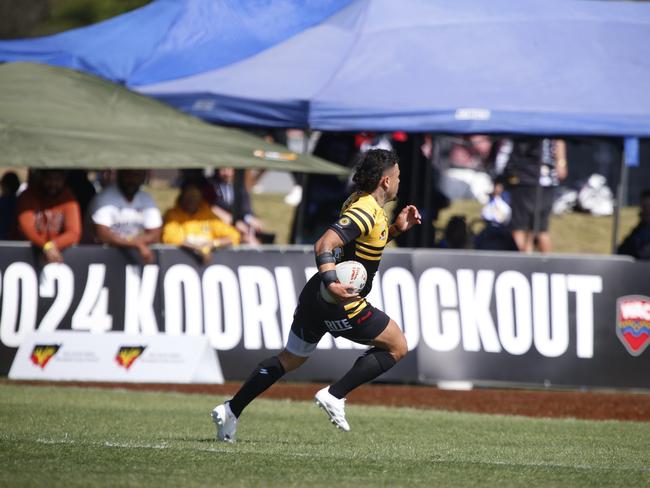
225 422
334 408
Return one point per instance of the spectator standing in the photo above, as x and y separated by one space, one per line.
534 167
127 217
637 242
495 235
464 163
9 185
48 214
193 225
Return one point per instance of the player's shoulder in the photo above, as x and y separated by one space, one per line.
364 201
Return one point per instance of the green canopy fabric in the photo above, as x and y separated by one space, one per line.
53 117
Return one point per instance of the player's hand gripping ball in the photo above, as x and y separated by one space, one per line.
352 274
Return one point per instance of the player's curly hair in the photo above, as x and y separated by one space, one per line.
371 168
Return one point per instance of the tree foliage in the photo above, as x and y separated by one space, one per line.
30 18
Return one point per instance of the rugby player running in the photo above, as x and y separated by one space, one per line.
360 234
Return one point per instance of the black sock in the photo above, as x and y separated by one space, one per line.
264 375
374 362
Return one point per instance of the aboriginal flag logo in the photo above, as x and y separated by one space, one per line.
42 354
128 354
344 221
633 323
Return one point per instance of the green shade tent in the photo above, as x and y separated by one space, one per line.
58 118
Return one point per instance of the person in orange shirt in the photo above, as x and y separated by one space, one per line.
193 225
48 214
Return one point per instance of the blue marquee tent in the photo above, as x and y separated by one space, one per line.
472 66
169 39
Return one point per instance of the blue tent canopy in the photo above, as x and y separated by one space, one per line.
566 67
169 39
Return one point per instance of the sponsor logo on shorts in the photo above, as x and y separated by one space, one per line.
633 322
128 354
364 317
337 325
42 354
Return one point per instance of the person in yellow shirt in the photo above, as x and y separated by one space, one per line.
192 225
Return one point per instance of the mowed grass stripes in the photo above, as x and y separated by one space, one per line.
93 437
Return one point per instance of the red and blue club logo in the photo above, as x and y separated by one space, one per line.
633 322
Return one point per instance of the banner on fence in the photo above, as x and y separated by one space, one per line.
467 316
116 357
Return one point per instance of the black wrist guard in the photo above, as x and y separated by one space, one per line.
328 277
324 258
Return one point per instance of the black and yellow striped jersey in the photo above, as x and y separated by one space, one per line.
363 227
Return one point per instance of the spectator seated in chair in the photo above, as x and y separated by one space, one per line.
495 215
48 214
127 217
193 225
456 235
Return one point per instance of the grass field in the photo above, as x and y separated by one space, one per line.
90 437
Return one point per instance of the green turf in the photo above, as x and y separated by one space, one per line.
88 437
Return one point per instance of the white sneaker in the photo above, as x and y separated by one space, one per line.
334 408
225 421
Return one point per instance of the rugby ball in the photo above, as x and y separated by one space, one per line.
353 274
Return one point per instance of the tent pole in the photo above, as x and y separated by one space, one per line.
537 212
413 191
434 158
304 181
300 211
238 197
618 203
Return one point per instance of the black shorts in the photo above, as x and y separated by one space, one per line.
522 202
314 317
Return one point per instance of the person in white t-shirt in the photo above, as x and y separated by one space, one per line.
125 216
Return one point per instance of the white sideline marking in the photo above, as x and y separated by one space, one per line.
136 445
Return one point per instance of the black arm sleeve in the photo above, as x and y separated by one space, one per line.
346 229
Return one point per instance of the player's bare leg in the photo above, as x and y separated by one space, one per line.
392 339
291 361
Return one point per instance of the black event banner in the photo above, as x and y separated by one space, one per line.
554 321
468 316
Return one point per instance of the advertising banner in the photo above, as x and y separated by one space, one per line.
538 320
468 316
115 356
